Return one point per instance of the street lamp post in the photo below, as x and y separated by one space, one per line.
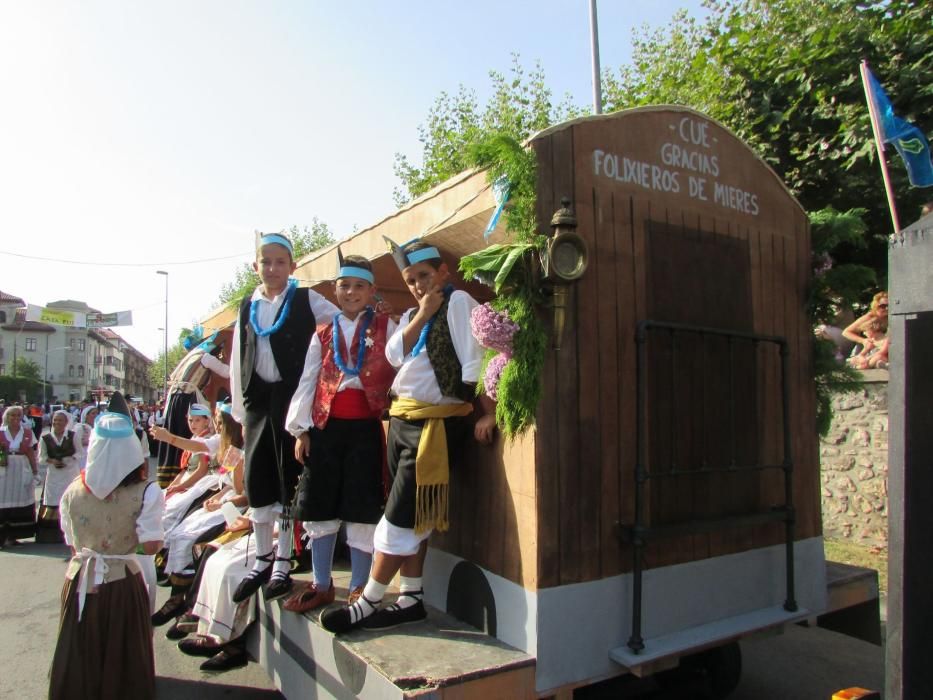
165 350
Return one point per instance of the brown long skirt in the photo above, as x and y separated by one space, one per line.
108 654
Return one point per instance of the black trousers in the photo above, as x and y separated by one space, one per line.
342 477
404 436
270 469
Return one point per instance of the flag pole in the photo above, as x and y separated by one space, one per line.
879 145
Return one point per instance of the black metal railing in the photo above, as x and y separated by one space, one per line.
641 532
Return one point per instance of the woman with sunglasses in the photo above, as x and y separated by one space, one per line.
878 311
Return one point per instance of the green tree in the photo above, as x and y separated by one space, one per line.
157 369
521 104
245 281
25 368
784 76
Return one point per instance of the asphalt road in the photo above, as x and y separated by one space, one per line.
802 664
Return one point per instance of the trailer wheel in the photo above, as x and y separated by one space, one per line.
714 672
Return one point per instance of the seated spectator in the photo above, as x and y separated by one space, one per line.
877 311
833 331
874 350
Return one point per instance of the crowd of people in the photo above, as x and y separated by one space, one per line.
295 456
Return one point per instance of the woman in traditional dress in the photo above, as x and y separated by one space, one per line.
18 472
104 649
83 431
57 450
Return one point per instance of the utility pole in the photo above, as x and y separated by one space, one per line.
594 48
165 351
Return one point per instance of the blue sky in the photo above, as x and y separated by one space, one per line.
162 132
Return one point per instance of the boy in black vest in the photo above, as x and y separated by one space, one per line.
270 340
438 363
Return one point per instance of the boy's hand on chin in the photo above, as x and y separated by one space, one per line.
431 301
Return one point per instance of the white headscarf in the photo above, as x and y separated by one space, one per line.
87 409
113 453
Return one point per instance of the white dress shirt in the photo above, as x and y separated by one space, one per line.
265 361
415 378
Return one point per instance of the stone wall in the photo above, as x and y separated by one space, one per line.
854 465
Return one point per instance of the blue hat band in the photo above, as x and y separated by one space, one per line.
114 431
417 256
276 239
226 408
199 411
351 271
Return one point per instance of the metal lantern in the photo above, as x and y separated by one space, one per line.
563 261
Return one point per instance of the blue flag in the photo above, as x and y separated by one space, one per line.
907 138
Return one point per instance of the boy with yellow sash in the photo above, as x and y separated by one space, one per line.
438 363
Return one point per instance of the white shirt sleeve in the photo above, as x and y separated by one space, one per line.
298 419
211 442
238 411
64 519
323 310
469 352
149 522
395 345
43 452
214 365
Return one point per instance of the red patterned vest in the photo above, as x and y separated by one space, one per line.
376 374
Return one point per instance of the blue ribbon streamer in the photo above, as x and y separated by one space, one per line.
501 189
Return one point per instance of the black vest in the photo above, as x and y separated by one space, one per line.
443 356
289 343
67 448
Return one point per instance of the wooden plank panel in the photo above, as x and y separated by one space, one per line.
570 515
547 483
807 471
605 378
626 297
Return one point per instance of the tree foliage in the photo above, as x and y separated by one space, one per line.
157 369
305 240
521 104
784 76
25 368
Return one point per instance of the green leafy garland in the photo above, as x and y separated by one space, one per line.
508 269
834 287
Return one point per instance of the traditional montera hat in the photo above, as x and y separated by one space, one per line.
350 269
404 257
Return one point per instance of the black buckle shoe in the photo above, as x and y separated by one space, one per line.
173 607
254 580
225 660
394 616
279 586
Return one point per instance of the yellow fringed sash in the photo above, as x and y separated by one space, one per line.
432 469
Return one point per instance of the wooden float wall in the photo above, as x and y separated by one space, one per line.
669 256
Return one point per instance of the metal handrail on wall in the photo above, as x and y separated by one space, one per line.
640 532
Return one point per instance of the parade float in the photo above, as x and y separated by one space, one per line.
663 500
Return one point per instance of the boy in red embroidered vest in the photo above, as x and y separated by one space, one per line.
438 363
336 417
270 341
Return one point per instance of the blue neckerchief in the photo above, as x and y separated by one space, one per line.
361 349
423 337
286 307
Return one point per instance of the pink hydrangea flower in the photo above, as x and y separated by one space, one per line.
493 329
494 374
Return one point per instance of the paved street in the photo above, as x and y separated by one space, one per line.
802 664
